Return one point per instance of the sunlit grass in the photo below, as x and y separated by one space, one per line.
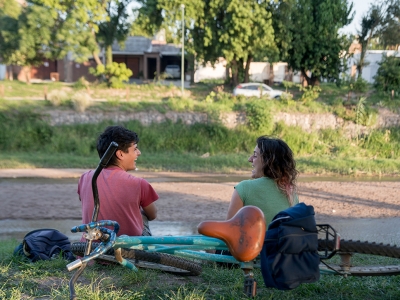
49 280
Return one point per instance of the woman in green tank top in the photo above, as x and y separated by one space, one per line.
273 184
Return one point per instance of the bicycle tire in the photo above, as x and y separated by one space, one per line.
364 248
149 260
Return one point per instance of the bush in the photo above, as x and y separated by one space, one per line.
387 78
114 74
80 101
258 115
57 97
82 83
287 98
359 86
310 93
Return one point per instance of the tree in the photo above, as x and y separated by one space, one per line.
24 40
387 78
8 32
389 32
166 15
237 30
80 27
9 8
369 27
48 29
315 44
75 26
281 11
116 27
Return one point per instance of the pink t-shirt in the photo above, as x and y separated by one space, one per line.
121 196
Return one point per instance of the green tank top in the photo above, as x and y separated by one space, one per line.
264 193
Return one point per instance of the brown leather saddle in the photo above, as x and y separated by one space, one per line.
243 234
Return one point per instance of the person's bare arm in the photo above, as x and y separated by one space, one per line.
235 205
150 211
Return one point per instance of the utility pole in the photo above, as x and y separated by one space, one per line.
183 49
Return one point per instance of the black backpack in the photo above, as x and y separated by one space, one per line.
44 244
290 252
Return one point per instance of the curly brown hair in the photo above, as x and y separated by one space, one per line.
279 164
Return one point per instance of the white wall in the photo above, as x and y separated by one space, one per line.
2 72
259 71
373 57
210 72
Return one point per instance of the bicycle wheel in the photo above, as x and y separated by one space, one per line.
359 264
149 260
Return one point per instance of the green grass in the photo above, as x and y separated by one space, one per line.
28 140
49 280
191 162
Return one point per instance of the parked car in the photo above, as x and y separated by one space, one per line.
173 71
255 89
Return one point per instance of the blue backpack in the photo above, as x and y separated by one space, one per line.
290 252
44 244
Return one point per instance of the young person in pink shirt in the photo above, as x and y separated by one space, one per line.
124 198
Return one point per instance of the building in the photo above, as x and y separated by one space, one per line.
145 57
372 58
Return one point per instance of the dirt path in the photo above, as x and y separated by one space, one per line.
192 201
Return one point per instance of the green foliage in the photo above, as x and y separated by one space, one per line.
315 44
369 25
81 83
360 111
9 8
389 34
168 146
24 41
387 77
115 74
310 93
287 99
180 104
359 85
288 84
23 130
237 30
259 116
48 29
383 143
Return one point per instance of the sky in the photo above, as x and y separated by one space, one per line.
360 7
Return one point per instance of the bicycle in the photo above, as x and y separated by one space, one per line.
172 253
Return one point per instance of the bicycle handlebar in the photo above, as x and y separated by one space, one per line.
103 163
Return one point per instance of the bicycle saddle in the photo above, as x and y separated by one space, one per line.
243 234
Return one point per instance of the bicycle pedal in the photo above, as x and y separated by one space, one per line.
250 287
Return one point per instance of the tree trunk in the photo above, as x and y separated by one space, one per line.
228 79
109 55
235 73
10 73
27 72
271 74
313 80
247 68
191 58
97 58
